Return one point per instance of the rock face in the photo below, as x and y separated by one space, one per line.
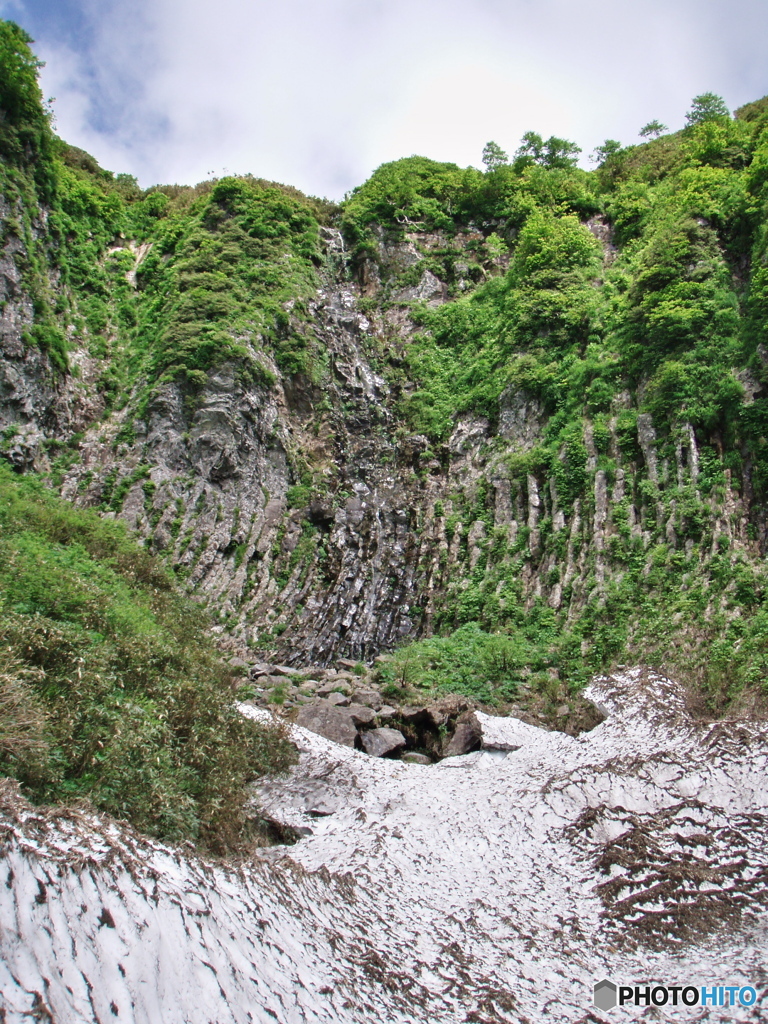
382 742
484 887
466 738
394 527
328 721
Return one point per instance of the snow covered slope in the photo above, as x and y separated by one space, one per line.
498 886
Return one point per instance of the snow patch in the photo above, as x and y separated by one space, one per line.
499 886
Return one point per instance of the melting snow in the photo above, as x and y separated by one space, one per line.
499 886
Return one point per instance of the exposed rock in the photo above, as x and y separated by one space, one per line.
521 418
338 700
414 757
416 715
440 712
260 669
328 721
334 686
646 436
275 681
371 698
382 742
379 561
467 737
430 289
360 714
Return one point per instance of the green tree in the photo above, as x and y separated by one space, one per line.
552 153
531 149
494 156
652 130
609 148
24 130
707 107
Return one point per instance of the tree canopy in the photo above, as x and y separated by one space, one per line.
706 107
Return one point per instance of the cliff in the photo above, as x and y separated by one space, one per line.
531 398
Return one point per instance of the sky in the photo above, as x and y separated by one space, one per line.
318 93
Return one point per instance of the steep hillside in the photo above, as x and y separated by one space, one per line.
523 409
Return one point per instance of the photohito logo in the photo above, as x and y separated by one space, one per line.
607 995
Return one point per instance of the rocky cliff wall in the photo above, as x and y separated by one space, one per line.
312 521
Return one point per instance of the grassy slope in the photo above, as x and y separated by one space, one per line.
110 687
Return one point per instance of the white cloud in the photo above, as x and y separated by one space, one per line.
319 92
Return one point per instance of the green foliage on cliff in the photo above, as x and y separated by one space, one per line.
637 288
222 277
670 294
588 299
225 271
109 687
25 135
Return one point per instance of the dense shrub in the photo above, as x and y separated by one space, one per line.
109 686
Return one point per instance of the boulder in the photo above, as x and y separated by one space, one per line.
386 712
275 681
413 757
338 700
333 685
371 698
328 721
467 737
360 714
346 663
382 742
259 669
416 716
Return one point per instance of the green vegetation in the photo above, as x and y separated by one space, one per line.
487 666
223 275
704 622
667 320
25 135
109 687
226 276
593 299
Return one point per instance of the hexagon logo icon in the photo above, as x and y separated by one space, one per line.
605 995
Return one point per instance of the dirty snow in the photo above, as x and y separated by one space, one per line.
497 886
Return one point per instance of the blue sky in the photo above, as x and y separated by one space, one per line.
317 93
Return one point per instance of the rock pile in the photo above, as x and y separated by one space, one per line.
345 705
